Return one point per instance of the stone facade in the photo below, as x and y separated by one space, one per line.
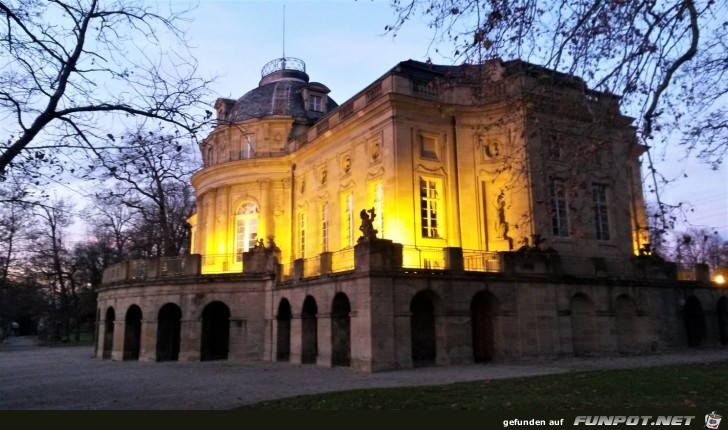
443 215
381 317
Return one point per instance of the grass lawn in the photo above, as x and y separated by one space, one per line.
696 387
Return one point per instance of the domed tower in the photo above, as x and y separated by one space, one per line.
284 105
246 162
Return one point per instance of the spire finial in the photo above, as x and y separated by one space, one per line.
284 30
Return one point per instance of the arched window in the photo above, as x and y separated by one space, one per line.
246 229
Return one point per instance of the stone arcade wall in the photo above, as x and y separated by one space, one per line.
540 314
243 294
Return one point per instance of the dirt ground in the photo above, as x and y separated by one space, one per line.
34 377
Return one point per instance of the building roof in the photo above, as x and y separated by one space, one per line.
280 93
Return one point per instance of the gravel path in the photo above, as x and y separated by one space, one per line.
69 378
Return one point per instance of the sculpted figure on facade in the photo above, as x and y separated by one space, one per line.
367 225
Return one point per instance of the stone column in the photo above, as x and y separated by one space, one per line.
270 342
148 341
454 259
189 345
325 260
117 351
298 269
296 335
456 339
323 335
266 210
208 202
237 330
702 272
377 255
99 339
192 264
403 339
222 215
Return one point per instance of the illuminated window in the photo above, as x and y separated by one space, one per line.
324 228
429 206
559 216
601 212
377 198
246 229
317 103
302 235
347 220
247 146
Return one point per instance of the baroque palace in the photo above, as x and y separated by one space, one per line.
442 215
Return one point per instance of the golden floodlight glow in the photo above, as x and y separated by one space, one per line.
720 280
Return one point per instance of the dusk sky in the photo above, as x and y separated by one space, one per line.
344 46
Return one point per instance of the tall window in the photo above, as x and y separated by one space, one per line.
247 146
246 229
601 211
302 235
559 216
325 228
317 103
377 197
429 205
347 220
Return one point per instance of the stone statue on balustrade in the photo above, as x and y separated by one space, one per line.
368 231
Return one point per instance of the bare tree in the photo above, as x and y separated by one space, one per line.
88 261
53 261
71 68
151 174
111 222
667 59
700 246
15 226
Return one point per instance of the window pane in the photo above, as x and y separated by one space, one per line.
559 218
601 211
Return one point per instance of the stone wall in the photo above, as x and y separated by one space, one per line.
379 317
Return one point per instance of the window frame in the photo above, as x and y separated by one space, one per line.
247 146
246 213
325 227
430 206
559 206
301 234
347 219
600 201
554 147
377 199
316 102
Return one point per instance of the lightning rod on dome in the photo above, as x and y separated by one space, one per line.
284 36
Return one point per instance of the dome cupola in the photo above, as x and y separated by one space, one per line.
284 91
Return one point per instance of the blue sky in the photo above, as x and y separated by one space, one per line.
341 41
